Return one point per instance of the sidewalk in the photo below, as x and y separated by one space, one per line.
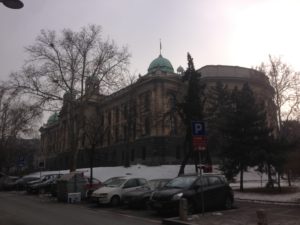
280 209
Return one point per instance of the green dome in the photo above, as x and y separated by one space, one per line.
53 118
161 63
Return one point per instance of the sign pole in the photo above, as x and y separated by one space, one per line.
199 144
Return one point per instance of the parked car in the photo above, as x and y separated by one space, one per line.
5 181
212 188
34 186
21 183
90 188
140 198
114 188
48 185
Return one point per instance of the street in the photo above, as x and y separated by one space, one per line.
21 209
17 208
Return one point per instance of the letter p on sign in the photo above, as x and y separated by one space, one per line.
198 128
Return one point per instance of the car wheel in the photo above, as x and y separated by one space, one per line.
146 203
228 204
115 201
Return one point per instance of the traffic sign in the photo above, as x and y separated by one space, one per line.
41 165
199 136
198 128
199 143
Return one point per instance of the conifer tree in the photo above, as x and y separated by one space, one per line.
191 109
218 102
245 132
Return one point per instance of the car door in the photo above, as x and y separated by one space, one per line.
216 191
130 185
201 186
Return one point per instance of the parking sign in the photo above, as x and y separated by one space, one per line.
199 136
198 128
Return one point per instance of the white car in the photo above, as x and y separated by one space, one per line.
114 188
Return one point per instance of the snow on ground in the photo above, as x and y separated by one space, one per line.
251 179
148 172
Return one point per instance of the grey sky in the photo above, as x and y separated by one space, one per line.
229 32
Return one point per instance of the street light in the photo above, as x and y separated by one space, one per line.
13 4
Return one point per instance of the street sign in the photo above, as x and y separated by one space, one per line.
21 161
41 164
199 136
199 143
198 128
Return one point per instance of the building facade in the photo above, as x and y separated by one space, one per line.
139 123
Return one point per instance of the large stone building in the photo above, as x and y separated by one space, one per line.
140 122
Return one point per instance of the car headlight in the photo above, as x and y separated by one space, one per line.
177 196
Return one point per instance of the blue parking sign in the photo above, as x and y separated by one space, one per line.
198 128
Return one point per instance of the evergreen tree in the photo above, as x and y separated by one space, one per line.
191 109
245 132
218 102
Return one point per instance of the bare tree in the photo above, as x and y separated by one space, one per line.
17 118
286 84
61 64
94 132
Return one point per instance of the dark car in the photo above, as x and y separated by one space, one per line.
6 181
48 185
212 188
33 187
21 183
140 198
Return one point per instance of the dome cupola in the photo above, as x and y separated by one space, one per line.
52 119
160 63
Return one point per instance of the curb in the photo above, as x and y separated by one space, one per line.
176 221
268 202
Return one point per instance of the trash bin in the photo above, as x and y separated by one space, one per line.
71 183
74 197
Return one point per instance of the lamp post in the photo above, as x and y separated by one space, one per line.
13 4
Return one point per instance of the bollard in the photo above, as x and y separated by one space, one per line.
261 217
183 209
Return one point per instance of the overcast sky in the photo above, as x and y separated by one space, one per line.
228 32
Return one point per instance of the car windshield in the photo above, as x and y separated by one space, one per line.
155 184
114 182
181 182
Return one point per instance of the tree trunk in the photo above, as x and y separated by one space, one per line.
278 182
91 164
185 160
269 173
241 178
289 178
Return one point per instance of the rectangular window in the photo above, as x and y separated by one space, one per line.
147 126
178 152
147 101
117 115
109 118
144 153
116 133
132 154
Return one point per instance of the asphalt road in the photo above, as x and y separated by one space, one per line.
20 209
17 208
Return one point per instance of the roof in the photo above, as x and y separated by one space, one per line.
53 118
229 71
160 63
